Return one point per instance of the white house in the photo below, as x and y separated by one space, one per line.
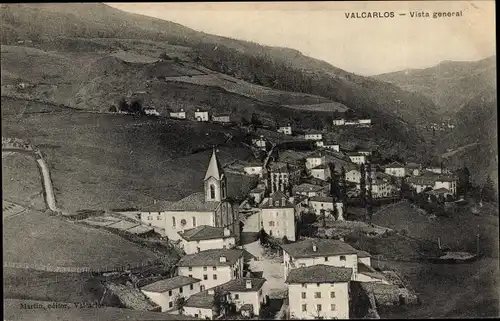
447 182
335 147
354 175
201 115
206 237
287 130
253 169
165 292
357 158
181 114
310 190
315 159
311 252
319 143
283 175
380 188
420 183
224 118
260 142
338 122
212 267
313 136
151 112
319 291
321 172
203 208
364 122
395 169
318 203
246 291
413 169
278 216
365 152
202 305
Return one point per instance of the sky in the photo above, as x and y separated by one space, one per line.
363 46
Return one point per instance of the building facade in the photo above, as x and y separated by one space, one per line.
357 158
287 130
206 237
201 115
278 216
181 114
165 292
221 118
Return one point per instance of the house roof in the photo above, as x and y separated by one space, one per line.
313 132
319 273
257 190
368 270
446 179
278 167
211 258
239 285
277 197
413 165
315 155
323 199
169 284
438 191
306 187
355 154
214 167
394 165
200 300
320 167
324 247
204 232
362 254
159 206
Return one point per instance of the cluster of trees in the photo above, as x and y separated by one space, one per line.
135 107
365 194
486 192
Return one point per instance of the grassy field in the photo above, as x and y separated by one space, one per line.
115 161
457 232
450 290
35 238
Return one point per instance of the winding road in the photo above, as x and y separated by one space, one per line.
48 189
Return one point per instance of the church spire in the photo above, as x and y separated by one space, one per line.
214 169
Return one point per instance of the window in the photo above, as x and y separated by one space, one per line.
317 295
196 315
332 295
214 268
202 288
317 284
149 218
302 265
236 296
170 304
342 257
304 285
212 191
170 293
204 268
158 218
318 307
181 289
271 223
190 268
190 275
304 307
224 247
194 221
326 258
303 295
205 277
332 307
191 287
173 221
215 276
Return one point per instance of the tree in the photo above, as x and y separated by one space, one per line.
244 121
263 237
322 216
463 185
180 301
164 56
343 190
123 105
136 107
488 191
369 203
220 304
113 109
362 185
285 240
255 121
334 188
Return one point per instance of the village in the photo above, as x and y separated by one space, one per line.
239 258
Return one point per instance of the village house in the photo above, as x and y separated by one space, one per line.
287 130
338 122
206 237
181 114
202 305
246 291
380 188
357 158
277 216
395 169
254 169
310 190
434 181
332 146
413 169
260 142
420 183
203 208
354 175
319 292
313 135
282 176
212 267
257 194
150 111
439 193
165 292
321 172
223 118
446 182
364 152
201 115
364 122
351 123
319 143
437 170
319 203
315 159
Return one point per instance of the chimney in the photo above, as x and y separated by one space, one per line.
227 232
197 109
315 248
248 284
182 109
222 259
211 291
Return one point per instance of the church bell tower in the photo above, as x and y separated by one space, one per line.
215 181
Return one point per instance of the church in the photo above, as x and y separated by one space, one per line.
209 207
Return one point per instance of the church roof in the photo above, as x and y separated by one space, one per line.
214 168
204 232
194 202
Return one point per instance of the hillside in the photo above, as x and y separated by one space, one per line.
450 84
